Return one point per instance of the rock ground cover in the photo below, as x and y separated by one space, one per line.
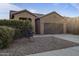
22 47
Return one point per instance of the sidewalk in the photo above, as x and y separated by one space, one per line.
72 51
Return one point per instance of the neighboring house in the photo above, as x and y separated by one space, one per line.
52 23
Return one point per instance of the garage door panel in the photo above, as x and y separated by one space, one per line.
53 28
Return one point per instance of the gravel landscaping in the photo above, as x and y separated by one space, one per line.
22 47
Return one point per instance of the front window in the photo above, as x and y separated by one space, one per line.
29 19
21 18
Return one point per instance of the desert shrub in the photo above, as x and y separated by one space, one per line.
21 27
18 34
6 36
15 23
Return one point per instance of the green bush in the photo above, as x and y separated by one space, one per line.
13 29
6 36
15 23
21 27
18 34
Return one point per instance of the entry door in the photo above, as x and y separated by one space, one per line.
37 26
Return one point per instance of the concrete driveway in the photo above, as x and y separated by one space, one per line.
71 51
70 37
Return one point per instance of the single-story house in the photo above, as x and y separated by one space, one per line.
51 23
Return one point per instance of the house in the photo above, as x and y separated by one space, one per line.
51 23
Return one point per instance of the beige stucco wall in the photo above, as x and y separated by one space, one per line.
52 18
26 15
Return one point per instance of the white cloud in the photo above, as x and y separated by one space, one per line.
75 5
37 11
32 10
5 8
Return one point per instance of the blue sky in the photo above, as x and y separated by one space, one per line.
64 9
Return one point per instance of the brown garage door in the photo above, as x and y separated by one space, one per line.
53 28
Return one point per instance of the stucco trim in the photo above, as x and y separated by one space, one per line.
23 11
52 13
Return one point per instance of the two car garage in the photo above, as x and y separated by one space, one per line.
52 23
53 28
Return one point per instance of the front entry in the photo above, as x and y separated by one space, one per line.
37 26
